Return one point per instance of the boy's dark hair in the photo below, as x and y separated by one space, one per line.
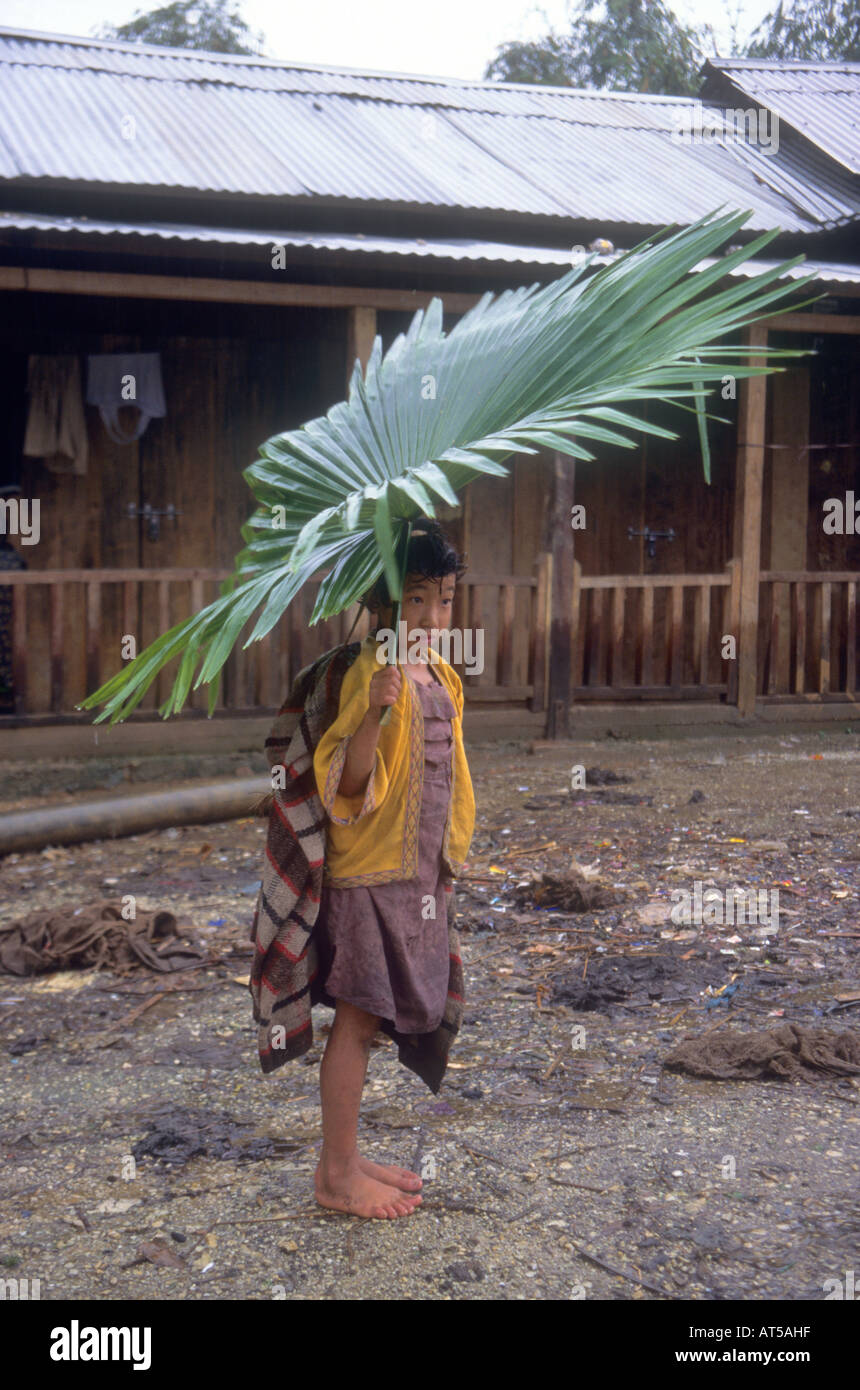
430 554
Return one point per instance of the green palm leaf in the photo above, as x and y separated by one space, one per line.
552 367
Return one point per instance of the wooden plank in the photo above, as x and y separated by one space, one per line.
559 540
540 649
576 600
519 581
810 576
476 620
164 681
850 638
109 576
130 610
611 693
615 675
475 694
674 624
197 698
505 666
57 641
651 581
360 333
748 499
703 630
787 492
20 651
781 645
815 323
531 482
824 659
646 669
768 607
731 625
298 630
799 604
203 289
815 636
596 674
833 697
149 576
93 636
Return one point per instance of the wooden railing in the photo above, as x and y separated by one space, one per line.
69 641
808 635
653 636
632 637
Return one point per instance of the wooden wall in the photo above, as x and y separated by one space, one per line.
233 375
236 374
659 484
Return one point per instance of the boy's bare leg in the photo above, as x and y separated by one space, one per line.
343 1179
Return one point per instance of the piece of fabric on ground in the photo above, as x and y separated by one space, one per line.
76 937
788 1052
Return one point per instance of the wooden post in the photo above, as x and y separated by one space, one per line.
748 499
731 625
560 546
360 333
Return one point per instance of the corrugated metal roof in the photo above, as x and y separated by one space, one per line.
442 248
425 248
820 100
249 126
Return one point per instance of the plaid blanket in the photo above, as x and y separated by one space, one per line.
285 982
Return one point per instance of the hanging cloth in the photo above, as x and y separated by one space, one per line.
109 387
56 425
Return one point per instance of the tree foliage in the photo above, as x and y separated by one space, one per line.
620 45
213 25
817 30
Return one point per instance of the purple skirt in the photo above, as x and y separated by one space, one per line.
385 948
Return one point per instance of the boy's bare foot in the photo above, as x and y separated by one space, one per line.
354 1192
403 1178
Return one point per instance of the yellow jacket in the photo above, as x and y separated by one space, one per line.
373 837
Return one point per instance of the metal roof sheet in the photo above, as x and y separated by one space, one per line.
820 100
424 248
248 126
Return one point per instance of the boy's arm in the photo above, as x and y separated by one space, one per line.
361 755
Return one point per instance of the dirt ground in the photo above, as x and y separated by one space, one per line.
146 1156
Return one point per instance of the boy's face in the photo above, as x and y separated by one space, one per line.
426 604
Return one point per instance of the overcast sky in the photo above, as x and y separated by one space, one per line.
448 38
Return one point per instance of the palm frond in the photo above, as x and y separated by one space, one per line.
537 367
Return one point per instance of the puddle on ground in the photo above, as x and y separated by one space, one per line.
178 1134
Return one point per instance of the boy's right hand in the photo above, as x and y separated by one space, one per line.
384 689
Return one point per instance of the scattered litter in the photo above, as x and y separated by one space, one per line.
722 996
654 914
568 892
